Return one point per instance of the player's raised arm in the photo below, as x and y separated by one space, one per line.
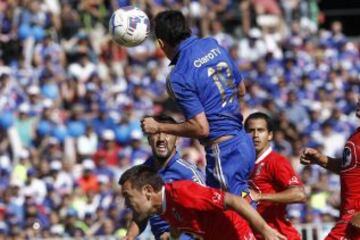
196 127
242 207
135 228
241 89
313 156
132 231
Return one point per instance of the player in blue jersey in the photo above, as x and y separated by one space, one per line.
167 162
207 86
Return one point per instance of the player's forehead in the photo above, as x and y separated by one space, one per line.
257 123
162 135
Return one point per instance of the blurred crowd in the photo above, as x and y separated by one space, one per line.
71 101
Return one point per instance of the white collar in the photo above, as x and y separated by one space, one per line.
263 155
163 200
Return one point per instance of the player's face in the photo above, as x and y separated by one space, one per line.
358 107
163 145
261 136
137 200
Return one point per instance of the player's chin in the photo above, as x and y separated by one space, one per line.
162 152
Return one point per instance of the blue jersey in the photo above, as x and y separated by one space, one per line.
205 79
176 169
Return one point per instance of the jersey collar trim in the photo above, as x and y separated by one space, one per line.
163 200
264 155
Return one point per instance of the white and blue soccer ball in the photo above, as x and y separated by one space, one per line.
129 26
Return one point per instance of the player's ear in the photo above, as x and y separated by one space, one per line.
176 140
271 135
148 189
160 42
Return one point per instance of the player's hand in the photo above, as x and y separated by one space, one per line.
255 196
149 125
271 234
355 221
312 156
127 238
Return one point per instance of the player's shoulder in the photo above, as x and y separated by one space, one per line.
277 156
180 186
186 170
176 75
276 159
355 137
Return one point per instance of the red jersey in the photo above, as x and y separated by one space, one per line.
350 189
273 173
199 210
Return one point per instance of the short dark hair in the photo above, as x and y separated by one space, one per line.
164 119
141 175
171 27
260 115
4 76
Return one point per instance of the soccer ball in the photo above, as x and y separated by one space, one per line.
129 26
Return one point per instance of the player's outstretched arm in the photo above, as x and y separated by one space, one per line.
294 194
132 231
196 127
242 207
312 156
241 89
135 228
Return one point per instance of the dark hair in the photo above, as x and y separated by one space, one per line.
164 119
260 115
141 175
4 76
171 27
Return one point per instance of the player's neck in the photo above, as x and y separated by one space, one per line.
161 162
260 153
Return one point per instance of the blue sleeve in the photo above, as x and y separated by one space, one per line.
158 226
185 95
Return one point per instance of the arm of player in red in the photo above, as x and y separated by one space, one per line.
312 156
242 207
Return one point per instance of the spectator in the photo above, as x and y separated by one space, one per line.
109 149
88 180
87 143
34 186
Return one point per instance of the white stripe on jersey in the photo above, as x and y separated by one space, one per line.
197 176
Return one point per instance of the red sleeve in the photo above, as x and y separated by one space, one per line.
197 197
284 174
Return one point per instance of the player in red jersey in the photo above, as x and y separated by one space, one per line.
274 181
190 207
348 167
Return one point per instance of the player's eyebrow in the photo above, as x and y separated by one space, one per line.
124 193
